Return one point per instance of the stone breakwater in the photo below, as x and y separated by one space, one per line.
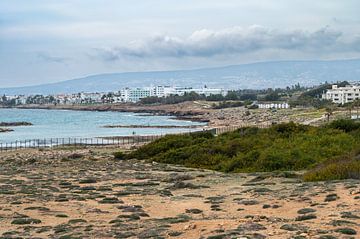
86 193
14 124
4 130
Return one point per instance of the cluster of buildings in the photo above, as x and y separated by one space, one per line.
342 95
338 95
125 95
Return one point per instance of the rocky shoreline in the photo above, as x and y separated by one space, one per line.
202 111
180 113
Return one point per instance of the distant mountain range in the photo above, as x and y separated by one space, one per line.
255 76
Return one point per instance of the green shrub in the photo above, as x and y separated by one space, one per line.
342 169
346 125
169 142
282 147
119 155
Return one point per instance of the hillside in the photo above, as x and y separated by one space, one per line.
256 75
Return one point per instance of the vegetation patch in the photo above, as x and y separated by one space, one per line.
329 152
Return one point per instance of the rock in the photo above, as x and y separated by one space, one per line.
88 180
346 231
305 217
327 237
174 233
22 221
341 223
294 227
112 200
349 215
249 202
251 227
306 210
331 197
75 221
182 185
193 211
189 227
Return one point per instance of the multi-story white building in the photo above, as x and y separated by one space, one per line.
135 94
168 90
342 95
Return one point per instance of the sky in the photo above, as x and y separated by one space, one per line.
45 41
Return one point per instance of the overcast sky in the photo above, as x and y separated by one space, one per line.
43 41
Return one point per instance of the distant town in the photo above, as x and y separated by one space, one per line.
122 96
340 93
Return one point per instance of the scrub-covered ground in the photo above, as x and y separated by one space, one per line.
85 193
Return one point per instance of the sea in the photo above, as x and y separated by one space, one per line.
84 124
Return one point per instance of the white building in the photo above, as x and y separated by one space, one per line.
21 100
342 95
135 94
273 105
201 91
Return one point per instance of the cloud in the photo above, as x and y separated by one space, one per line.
49 58
236 40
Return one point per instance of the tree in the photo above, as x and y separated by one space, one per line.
329 112
248 97
273 96
231 95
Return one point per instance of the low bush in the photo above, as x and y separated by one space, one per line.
282 147
346 125
342 168
228 104
119 155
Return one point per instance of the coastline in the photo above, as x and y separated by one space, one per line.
202 112
161 110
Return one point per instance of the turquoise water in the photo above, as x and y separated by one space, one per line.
81 124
